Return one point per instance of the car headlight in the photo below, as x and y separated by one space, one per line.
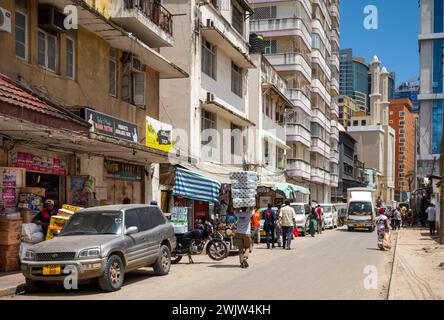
89 253
30 255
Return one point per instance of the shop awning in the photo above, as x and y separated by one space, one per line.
194 186
286 189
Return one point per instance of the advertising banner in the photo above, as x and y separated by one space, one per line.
159 135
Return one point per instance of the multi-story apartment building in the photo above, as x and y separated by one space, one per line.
409 90
302 43
374 135
431 42
106 69
347 109
403 120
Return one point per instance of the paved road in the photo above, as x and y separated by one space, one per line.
329 266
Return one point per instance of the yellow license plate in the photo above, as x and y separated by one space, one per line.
52 270
360 226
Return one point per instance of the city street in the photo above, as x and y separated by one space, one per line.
330 266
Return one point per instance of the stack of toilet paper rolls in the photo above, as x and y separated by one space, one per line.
243 188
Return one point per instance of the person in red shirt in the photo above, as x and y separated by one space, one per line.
320 215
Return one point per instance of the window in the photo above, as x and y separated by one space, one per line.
208 124
131 220
364 122
391 113
238 20
401 166
70 58
150 217
264 13
280 159
402 175
402 140
236 79
402 131
133 81
266 153
355 123
402 113
236 139
47 50
401 157
112 72
402 122
209 61
401 149
270 46
21 35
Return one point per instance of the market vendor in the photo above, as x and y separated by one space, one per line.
44 216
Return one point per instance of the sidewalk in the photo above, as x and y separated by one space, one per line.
10 283
418 269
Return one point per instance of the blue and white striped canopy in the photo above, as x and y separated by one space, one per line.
195 186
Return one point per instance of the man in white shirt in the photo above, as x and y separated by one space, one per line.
431 218
287 217
243 234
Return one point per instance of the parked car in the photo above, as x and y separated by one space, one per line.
330 215
302 211
104 243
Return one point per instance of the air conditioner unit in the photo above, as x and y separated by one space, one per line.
5 20
210 97
51 19
210 23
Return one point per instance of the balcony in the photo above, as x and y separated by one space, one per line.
318 58
320 176
297 133
320 118
334 61
334 156
282 27
334 180
274 130
334 108
318 87
334 11
334 37
148 20
334 87
334 133
319 146
290 62
297 168
324 10
299 99
319 29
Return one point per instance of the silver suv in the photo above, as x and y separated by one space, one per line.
105 243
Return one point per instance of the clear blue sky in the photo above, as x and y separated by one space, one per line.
395 42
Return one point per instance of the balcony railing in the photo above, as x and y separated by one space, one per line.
296 132
290 61
298 168
153 10
281 25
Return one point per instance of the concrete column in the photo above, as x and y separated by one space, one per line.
384 105
375 96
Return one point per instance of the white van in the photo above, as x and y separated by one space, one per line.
330 215
361 212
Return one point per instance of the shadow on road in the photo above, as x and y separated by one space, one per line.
224 266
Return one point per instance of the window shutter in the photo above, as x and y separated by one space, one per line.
126 84
139 89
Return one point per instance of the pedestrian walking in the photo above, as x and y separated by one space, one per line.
398 218
404 213
313 222
243 234
269 225
256 223
320 214
431 218
287 218
382 229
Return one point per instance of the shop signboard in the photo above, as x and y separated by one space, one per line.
42 164
179 219
107 125
159 135
123 171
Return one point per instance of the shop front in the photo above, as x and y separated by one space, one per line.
124 182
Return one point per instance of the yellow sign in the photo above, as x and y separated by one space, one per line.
159 135
52 270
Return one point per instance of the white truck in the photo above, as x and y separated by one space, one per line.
361 210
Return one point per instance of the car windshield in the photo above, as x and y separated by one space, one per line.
298 208
360 208
93 223
326 209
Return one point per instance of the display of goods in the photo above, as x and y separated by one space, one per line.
30 201
36 191
8 197
243 193
57 223
65 213
10 225
244 202
243 176
236 184
28 215
71 208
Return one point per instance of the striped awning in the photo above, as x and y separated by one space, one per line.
194 186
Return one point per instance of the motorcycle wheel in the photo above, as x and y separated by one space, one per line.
217 250
175 259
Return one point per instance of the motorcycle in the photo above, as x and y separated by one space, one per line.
196 241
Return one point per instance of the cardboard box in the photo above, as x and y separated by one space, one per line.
10 225
71 208
10 265
56 223
37 191
28 215
9 238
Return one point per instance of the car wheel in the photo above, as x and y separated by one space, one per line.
112 277
163 262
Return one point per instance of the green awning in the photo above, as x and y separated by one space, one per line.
285 189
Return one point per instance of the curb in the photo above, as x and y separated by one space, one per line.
395 263
10 291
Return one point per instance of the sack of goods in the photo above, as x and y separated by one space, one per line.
32 233
244 186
